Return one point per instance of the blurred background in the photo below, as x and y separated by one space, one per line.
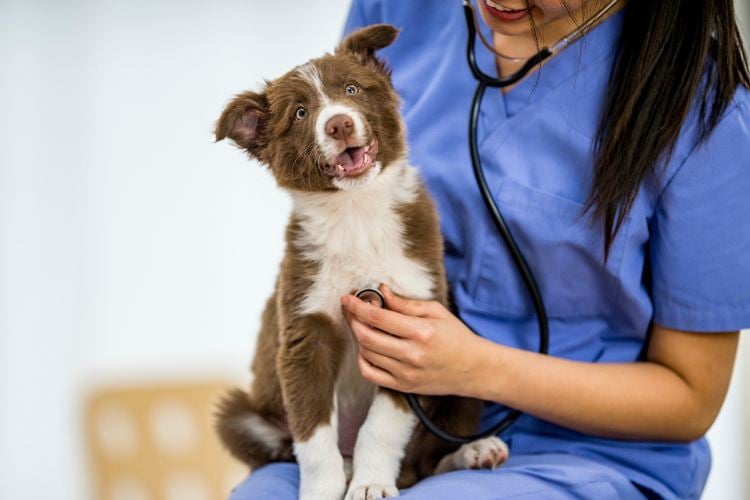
135 254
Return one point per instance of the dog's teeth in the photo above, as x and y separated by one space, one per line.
339 169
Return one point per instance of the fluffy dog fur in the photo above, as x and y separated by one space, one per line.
331 134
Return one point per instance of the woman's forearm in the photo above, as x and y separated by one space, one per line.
420 347
643 400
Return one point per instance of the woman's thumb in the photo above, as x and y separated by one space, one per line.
403 305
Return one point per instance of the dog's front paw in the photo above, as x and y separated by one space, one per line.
486 453
371 491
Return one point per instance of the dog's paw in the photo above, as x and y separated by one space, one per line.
371 491
487 453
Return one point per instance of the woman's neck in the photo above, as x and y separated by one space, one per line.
524 46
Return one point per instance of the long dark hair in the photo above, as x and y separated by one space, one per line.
671 55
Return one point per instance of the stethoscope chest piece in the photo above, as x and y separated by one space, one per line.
372 296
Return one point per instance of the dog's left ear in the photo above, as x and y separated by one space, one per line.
244 121
365 41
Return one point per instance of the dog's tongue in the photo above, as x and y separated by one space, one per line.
351 159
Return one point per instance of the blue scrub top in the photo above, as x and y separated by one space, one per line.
692 227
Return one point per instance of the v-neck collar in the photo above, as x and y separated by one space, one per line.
596 46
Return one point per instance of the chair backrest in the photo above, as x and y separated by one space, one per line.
156 442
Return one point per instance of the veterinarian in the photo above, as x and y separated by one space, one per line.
622 165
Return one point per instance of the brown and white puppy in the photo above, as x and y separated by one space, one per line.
331 134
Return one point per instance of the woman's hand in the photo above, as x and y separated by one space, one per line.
674 395
413 346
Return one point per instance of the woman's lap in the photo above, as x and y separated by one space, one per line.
549 476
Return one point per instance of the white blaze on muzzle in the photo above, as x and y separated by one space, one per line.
328 109
333 147
348 154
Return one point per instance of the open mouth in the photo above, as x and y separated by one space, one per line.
353 161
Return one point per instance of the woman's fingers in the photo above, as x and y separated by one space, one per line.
375 374
410 307
400 376
389 321
385 363
378 340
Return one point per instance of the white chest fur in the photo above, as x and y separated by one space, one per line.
357 238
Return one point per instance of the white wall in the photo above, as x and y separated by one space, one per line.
131 246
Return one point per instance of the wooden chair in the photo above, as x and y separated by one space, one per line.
156 442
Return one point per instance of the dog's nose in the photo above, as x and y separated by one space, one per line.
339 127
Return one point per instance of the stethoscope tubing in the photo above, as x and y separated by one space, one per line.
521 265
483 77
483 81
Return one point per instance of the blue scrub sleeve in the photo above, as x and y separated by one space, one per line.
700 244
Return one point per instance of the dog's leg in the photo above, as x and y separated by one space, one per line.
380 447
454 414
308 362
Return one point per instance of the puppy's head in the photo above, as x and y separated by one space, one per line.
332 123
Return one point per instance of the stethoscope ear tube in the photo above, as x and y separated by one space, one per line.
523 269
483 77
519 260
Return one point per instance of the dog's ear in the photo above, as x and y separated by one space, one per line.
243 121
365 41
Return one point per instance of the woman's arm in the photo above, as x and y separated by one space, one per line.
674 395
419 346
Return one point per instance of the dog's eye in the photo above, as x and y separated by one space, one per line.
352 89
300 114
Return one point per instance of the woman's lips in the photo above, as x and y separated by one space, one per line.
504 14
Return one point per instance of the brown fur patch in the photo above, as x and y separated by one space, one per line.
265 389
424 241
398 398
308 363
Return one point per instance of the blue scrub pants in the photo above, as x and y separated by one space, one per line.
547 477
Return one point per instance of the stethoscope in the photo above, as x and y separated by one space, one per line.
483 81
